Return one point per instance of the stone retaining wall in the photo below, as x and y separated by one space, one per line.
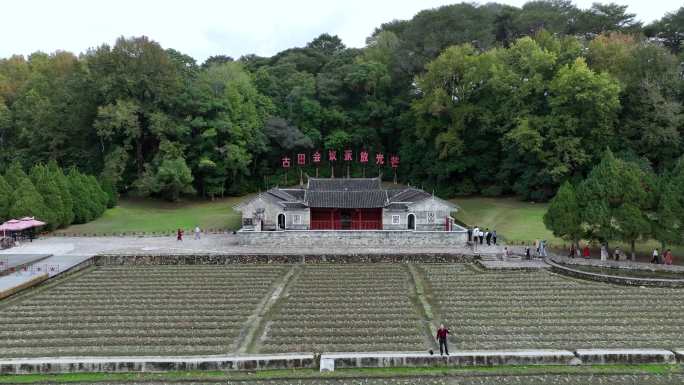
155 364
332 361
621 280
372 238
482 358
228 259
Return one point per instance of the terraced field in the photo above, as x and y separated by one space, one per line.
163 310
334 308
518 310
213 309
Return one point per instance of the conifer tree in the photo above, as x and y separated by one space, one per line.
80 196
63 186
27 201
5 199
46 186
564 215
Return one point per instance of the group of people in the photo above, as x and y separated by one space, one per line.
478 236
180 233
539 247
666 258
618 254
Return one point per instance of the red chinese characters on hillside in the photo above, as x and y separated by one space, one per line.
364 156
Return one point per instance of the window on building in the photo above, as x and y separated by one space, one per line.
247 222
431 217
296 219
395 219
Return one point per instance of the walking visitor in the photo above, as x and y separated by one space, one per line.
527 252
668 257
542 248
616 254
488 235
494 237
476 234
572 251
470 234
604 253
197 232
442 333
586 253
655 258
179 235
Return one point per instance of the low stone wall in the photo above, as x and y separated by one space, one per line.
621 280
478 358
348 238
625 356
229 259
624 264
155 364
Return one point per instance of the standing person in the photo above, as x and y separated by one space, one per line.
197 232
586 253
470 234
655 258
442 333
488 235
668 257
542 248
604 252
527 252
476 234
572 251
616 254
536 246
494 236
506 252
179 235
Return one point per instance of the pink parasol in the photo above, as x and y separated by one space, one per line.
20 224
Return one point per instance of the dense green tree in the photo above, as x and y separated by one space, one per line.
5 199
27 202
83 211
45 184
615 201
669 28
15 175
63 185
564 215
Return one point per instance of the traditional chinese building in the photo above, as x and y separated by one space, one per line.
346 204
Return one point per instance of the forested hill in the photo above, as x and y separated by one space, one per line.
485 99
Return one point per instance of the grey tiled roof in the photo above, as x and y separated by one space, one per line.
294 205
397 206
410 195
346 193
347 199
297 193
344 184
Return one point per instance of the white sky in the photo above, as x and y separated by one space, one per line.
202 28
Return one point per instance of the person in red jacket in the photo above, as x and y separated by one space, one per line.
586 252
442 333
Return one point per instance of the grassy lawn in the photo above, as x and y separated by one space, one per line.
513 219
517 221
146 215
